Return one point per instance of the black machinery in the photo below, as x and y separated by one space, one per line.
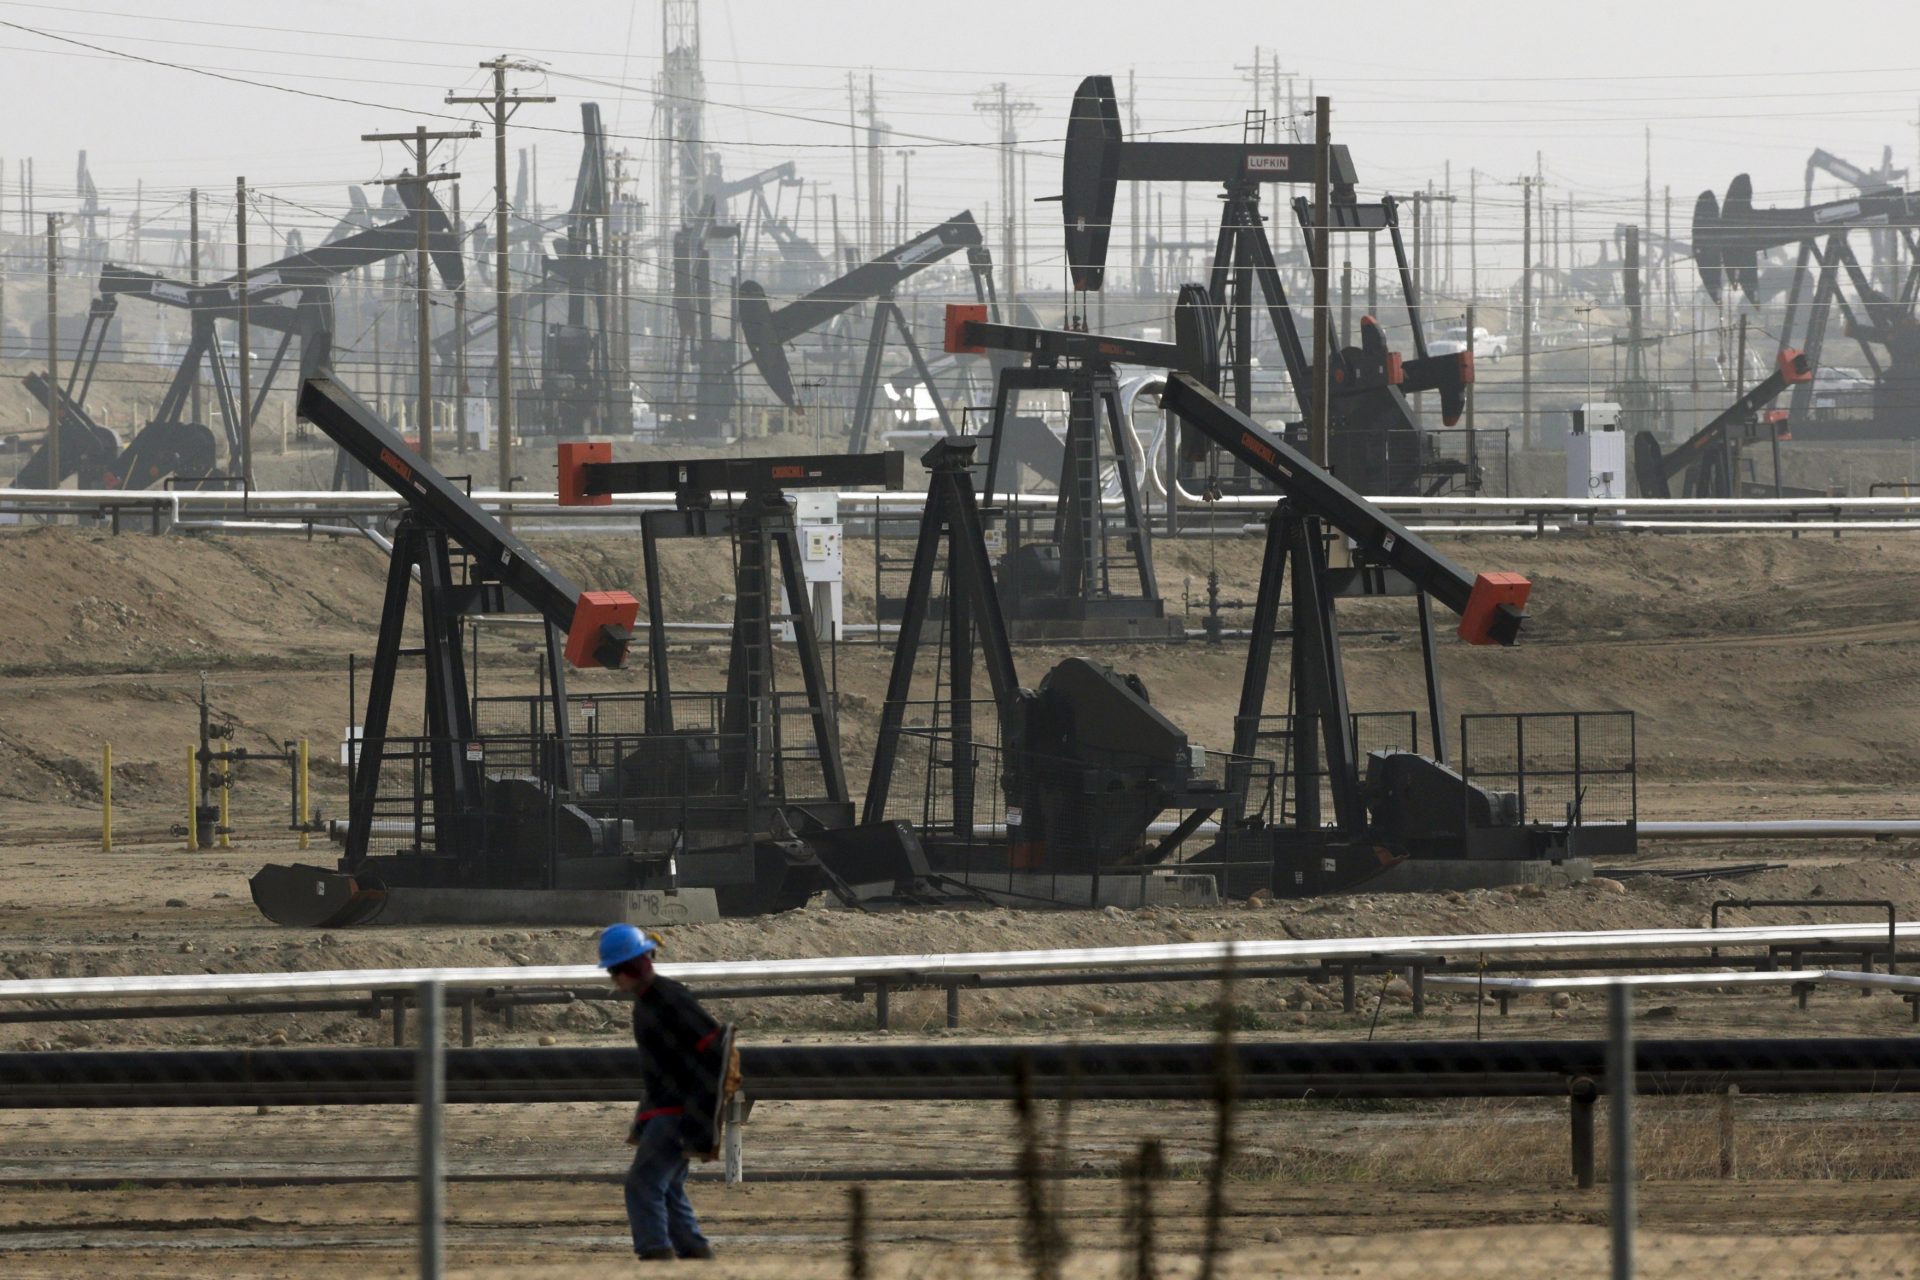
1085 767
768 331
1082 765
1709 459
1730 235
1396 803
719 776
753 814
479 823
1376 443
1094 576
576 357
523 794
292 296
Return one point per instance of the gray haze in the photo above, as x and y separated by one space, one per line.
1414 86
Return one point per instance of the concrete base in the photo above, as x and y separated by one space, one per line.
548 906
1437 875
1156 889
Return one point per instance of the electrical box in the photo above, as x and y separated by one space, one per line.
1597 452
822 564
480 424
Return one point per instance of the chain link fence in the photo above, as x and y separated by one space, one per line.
1589 1141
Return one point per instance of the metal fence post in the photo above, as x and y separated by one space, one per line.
1620 1063
430 1077
733 1143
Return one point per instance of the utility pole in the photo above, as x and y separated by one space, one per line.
853 156
1419 289
1526 311
54 473
500 106
1473 233
1007 113
245 407
1647 212
193 274
1666 261
419 144
1473 445
1134 213
1322 214
876 176
459 330
906 194
1256 72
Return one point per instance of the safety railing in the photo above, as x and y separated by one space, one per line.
1573 768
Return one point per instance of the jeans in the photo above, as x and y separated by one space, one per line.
657 1206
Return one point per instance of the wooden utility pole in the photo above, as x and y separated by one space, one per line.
419 144
193 274
1007 113
500 106
1418 199
876 176
245 407
459 330
54 473
1526 310
1473 233
1322 214
1473 441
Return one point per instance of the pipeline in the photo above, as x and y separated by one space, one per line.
1782 829
1400 1069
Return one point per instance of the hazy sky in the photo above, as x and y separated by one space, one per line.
1482 84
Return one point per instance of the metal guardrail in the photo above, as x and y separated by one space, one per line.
935 968
1800 981
1491 514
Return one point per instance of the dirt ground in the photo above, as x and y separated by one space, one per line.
1770 678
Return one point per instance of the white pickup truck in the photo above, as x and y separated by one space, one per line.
1486 346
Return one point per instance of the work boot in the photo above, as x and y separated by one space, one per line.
656 1255
699 1253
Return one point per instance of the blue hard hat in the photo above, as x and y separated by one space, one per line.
620 943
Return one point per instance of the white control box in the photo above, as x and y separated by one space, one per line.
1597 453
817 520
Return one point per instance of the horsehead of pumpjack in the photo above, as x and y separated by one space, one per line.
767 330
1729 235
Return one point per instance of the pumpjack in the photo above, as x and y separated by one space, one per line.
1730 235
1080 766
479 823
767 330
750 807
700 792
1394 804
292 296
1377 444
1094 575
1709 459
1084 766
576 363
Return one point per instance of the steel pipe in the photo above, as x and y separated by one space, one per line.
932 967
1781 829
933 1072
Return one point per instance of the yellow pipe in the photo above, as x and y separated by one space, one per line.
106 797
305 806
193 801
226 792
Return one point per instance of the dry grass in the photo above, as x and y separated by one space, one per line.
1526 1143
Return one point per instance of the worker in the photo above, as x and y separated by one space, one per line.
683 1064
